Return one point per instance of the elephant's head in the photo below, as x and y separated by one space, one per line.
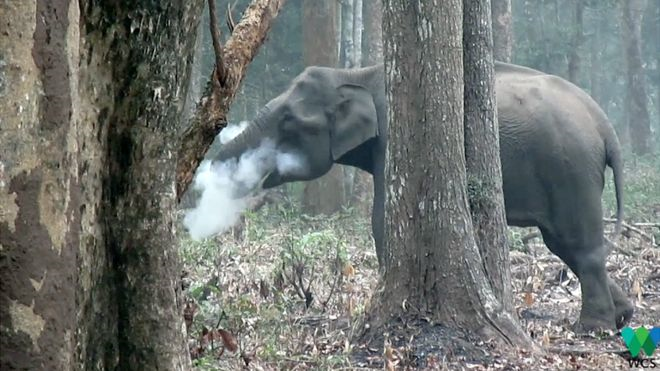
323 115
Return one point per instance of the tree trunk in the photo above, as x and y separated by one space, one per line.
482 149
357 33
372 45
142 129
432 262
40 191
595 69
90 265
639 122
323 195
372 35
653 31
502 29
347 8
350 174
578 40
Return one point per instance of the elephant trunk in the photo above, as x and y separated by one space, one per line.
259 164
248 139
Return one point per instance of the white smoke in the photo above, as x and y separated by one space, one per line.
219 206
232 131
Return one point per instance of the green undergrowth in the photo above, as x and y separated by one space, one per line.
641 189
286 286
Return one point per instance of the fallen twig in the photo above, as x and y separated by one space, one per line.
530 236
619 249
633 228
585 351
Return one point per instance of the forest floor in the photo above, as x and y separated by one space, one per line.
284 291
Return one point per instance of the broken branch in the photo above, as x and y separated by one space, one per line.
219 73
211 114
632 228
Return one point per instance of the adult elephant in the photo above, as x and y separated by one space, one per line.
555 145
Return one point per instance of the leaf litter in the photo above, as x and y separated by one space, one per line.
287 292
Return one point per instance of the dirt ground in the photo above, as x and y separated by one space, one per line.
284 292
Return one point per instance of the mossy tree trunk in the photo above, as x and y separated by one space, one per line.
433 268
482 149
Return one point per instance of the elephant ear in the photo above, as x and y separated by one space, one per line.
355 119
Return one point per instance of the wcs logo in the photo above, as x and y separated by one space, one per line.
641 339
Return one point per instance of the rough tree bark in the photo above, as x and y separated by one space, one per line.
576 44
638 120
88 249
482 149
139 197
433 269
211 115
502 29
324 195
40 189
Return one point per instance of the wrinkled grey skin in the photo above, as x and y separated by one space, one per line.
555 145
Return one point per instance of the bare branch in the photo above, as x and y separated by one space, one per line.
219 73
211 114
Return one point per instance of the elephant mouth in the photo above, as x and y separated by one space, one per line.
271 180
244 190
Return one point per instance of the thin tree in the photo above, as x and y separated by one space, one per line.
578 40
372 45
433 268
347 42
638 120
482 149
502 22
652 19
373 33
324 195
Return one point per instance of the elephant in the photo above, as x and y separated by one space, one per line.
555 145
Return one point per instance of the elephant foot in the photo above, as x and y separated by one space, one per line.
623 308
624 315
589 325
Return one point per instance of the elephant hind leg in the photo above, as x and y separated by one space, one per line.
586 258
623 308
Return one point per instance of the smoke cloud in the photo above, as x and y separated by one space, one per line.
226 187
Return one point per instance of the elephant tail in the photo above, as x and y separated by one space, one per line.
615 161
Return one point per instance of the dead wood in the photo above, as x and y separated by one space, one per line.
211 113
584 351
633 228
